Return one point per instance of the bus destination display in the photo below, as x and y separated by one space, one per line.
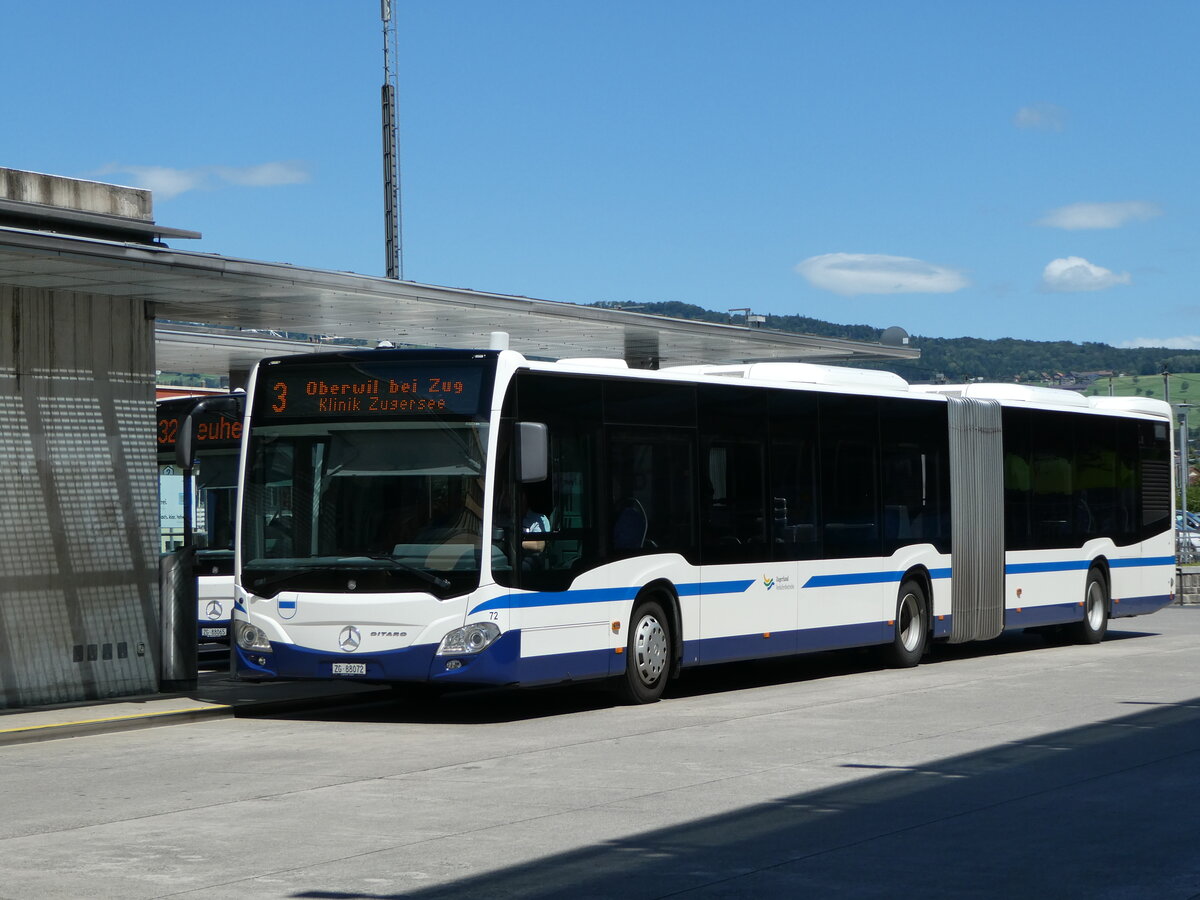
359 392
212 429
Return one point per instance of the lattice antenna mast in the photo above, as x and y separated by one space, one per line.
393 223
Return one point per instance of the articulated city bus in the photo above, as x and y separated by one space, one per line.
476 518
217 440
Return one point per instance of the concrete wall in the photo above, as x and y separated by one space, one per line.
78 498
71 193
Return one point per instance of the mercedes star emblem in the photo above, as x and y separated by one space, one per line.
349 639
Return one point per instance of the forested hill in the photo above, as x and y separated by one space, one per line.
961 358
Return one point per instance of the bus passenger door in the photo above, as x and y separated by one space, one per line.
856 598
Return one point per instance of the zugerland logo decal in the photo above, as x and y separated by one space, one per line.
779 582
349 639
768 582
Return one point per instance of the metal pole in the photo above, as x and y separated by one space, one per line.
1183 462
177 601
188 505
391 205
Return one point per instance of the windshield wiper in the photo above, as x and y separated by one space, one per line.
428 577
267 583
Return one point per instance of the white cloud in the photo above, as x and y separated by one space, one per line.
1187 342
1041 117
1079 216
1074 273
850 274
265 175
167 183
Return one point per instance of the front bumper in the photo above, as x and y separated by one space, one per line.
498 664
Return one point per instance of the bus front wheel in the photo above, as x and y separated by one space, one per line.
911 627
647 654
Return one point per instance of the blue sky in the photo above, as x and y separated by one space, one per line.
957 168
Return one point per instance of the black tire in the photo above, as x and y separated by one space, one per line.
647 654
1095 611
911 632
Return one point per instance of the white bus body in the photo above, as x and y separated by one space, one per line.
694 516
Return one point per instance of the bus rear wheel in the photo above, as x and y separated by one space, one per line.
911 634
647 654
1095 611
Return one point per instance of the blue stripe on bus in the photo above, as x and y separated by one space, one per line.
1074 565
604 595
851 578
1148 561
1070 565
713 587
893 577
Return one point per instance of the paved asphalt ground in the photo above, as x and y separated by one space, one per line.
1012 769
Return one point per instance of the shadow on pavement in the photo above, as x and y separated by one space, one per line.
1105 810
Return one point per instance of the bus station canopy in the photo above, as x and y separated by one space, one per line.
245 305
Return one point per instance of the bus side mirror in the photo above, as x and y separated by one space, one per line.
533 452
185 443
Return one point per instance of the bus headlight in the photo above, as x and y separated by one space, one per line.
250 637
468 639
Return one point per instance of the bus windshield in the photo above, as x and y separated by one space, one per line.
353 506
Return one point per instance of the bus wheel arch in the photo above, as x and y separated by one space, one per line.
912 626
652 648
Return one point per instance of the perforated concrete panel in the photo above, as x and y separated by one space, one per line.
78 498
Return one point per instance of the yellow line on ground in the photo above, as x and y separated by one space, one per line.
146 715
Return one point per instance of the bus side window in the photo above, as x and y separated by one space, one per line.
914 448
849 476
651 479
733 525
794 500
